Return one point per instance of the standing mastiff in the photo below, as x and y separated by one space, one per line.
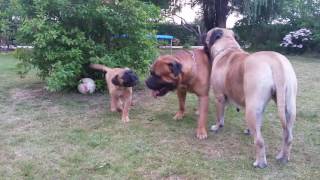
250 81
184 71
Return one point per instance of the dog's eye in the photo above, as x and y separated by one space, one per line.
153 74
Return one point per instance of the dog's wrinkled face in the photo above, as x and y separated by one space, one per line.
164 75
127 78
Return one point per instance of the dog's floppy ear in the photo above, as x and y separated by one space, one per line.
203 39
216 34
115 80
204 43
176 68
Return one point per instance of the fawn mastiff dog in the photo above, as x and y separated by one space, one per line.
120 82
184 71
250 81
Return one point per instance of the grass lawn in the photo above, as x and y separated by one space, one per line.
72 136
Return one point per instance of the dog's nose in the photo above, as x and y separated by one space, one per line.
146 82
135 80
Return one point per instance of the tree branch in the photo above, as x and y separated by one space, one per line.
188 26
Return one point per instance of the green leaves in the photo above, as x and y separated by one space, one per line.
68 35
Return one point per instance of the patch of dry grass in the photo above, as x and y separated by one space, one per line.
71 136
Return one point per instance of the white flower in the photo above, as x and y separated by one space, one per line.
292 38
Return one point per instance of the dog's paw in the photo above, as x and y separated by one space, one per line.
261 165
247 132
202 133
113 109
197 112
125 119
119 110
281 158
179 115
215 128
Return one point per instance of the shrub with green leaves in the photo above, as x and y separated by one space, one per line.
69 35
265 36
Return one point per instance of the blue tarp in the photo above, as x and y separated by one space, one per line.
164 37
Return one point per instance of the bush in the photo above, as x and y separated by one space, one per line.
313 24
269 36
297 41
69 35
262 36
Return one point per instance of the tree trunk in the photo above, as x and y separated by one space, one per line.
209 13
221 7
215 13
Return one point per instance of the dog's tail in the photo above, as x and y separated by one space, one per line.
286 91
100 67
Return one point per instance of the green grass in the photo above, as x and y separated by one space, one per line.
72 136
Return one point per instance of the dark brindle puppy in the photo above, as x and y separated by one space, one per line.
184 71
120 82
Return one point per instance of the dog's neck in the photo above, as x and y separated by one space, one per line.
223 51
192 71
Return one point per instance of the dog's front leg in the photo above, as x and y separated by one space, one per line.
220 102
113 103
182 93
203 116
125 111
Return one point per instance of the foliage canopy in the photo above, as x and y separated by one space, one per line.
68 35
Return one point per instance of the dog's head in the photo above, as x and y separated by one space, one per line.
125 78
164 76
218 39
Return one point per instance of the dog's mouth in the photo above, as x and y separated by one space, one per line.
161 92
159 87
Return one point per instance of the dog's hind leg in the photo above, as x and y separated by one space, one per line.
255 105
287 127
254 118
203 117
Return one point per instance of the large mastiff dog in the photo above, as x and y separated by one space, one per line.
184 71
250 81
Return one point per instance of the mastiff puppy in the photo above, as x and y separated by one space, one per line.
250 81
120 82
184 71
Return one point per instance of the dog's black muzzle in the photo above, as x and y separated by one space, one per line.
159 87
130 79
